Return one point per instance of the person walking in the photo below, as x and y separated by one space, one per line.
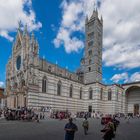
70 129
116 123
128 119
85 125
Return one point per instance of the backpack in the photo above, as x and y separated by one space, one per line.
85 123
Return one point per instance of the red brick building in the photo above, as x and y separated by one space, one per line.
2 98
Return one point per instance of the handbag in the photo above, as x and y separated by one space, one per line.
103 130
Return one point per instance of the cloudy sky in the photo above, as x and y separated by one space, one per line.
59 28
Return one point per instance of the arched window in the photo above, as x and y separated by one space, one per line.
71 90
81 93
101 94
109 95
44 84
90 93
59 85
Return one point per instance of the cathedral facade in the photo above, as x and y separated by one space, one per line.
35 82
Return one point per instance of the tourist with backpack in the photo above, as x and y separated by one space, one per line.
85 125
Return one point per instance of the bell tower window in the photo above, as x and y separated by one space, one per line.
90 93
89 69
90 43
90 52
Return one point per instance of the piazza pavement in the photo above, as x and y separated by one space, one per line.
50 129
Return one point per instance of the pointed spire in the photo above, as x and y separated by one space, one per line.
94 7
25 30
32 36
32 40
19 25
101 19
36 43
86 21
19 32
95 11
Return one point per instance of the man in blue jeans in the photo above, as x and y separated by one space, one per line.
70 129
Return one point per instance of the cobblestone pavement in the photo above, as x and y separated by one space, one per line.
54 130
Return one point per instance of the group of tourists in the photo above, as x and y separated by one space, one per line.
110 122
60 115
71 128
21 114
89 114
109 129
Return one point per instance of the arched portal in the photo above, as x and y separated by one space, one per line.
133 100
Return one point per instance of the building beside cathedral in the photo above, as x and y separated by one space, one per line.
34 82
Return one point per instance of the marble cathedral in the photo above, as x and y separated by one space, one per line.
35 82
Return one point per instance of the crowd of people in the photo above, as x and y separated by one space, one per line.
60 115
110 122
22 114
109 129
